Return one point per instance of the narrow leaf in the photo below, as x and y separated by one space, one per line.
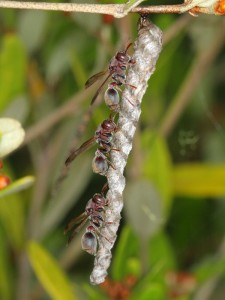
209 268
6 283
32 36
93 293
12 69
12 211
161 254
126 250
143 208
151 290
17 186
202 180
157 166
49 273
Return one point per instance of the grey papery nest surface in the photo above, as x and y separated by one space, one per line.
147 48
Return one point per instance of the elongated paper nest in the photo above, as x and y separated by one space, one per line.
146 52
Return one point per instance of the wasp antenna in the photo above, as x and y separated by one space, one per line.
128 46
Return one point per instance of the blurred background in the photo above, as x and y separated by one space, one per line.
171 242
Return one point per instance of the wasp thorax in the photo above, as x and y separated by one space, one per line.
108 125
99 200
122 57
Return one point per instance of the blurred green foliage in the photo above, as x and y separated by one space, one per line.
13 68
171 239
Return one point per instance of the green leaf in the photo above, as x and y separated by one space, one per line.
162 259
9 18
78 69
49 273
17 186
67 194
157 166
126 250
11 135
93 293
161 254
6 288
201 41
201 180
91 24
59 61
13 112
12 69
12 209
65 55
32 36
209 268
144 215
151 290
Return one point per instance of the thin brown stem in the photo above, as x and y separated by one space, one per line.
69 7
198 69
23 268
117 10
179 25
70 108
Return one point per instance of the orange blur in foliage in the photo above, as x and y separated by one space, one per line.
119 290
220 7
180 284
4 181
108 19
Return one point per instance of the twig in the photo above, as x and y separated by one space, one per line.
146 51
198 70
181 24
121 10
70 108
131 4
113 9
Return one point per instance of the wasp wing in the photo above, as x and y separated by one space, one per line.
75 221
74 153
99 89
79 221
94 78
